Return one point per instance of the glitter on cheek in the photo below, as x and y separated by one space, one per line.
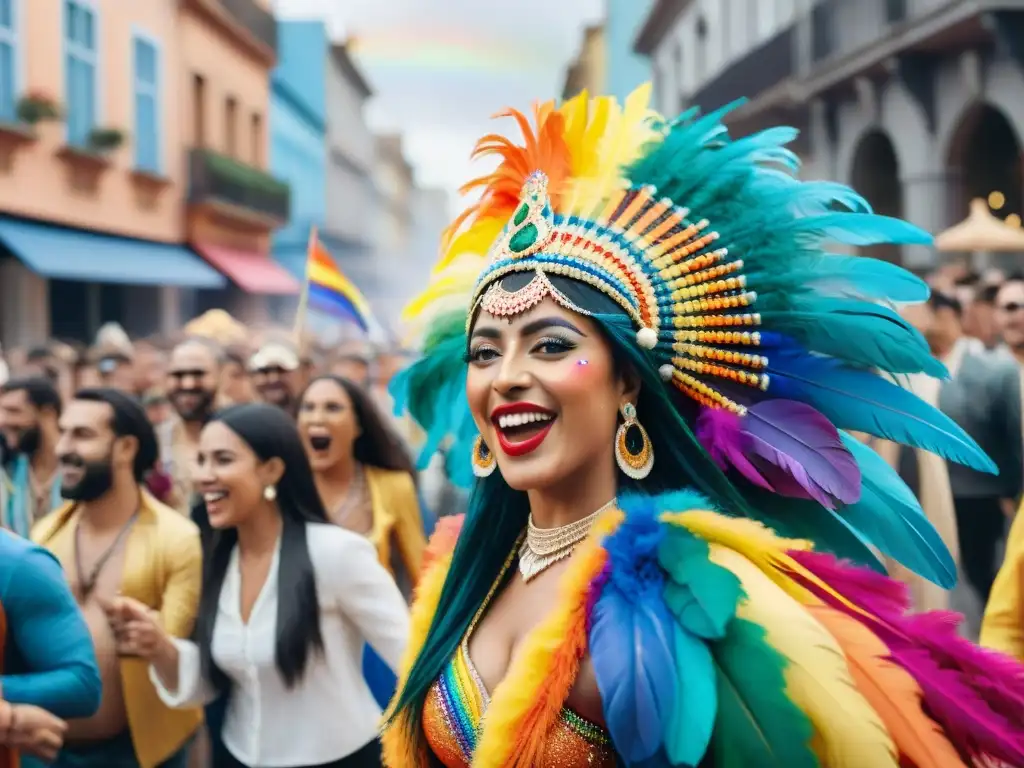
582 363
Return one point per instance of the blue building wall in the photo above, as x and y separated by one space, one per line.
298 128
625 69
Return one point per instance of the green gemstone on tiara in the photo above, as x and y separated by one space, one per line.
523 239
521 214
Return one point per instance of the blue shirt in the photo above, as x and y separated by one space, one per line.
49 660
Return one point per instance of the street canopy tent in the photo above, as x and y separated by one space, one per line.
981 232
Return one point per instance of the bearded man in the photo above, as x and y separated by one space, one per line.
114 539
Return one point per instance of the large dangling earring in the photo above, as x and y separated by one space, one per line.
633 450
483 459
270 493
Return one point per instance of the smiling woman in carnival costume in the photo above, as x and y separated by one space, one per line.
655 379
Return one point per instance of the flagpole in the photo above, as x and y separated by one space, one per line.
303 308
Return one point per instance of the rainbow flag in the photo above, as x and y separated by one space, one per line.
327 290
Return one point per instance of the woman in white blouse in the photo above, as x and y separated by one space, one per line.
288 601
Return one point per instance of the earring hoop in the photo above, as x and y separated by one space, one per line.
270 493
484 462
634 451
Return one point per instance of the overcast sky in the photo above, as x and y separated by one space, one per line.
440 68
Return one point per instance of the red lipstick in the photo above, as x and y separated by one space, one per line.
530 444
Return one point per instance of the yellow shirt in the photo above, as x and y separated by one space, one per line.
163 568
396 517
1002 629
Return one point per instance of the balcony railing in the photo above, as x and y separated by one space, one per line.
217 178
753 74
259 21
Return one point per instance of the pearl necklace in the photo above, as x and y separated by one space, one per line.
543 547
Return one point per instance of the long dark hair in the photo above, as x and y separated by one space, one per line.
377 445
497 514
270 433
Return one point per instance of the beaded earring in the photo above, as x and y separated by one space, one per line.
634 452
483 460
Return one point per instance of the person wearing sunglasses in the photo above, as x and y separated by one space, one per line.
1009 303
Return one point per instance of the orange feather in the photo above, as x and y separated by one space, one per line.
891 692
544 149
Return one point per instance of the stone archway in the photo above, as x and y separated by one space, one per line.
984 157
875 174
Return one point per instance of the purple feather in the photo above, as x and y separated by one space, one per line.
976 695
718 430
785 447
800 452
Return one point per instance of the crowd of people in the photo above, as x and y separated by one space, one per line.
701 449
974 324
120 470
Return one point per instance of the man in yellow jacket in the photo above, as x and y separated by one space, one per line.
113 539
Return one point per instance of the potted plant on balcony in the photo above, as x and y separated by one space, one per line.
36 107
104 140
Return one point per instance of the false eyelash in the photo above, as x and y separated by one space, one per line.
564 345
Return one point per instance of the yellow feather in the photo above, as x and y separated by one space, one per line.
848 732
763 547
476 239
628 131
576 112
398 748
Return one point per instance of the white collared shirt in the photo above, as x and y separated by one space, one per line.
330 713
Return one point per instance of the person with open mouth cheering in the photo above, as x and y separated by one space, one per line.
367 483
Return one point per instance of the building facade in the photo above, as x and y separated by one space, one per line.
351 157
233 203
92 179
394 227
588 71
918 104
133 151
298 135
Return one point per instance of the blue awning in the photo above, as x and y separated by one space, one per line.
77 254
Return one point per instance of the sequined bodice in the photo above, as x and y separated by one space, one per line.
454 710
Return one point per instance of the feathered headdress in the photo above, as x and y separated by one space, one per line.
714 249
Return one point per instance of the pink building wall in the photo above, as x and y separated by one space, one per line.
38 184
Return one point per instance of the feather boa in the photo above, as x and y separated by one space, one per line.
713 638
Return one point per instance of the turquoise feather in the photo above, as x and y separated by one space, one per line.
860 401
701 595
432 390
858 277
860 332
692 719
800 519
890 517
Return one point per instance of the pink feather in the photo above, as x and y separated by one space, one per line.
976 695
718 430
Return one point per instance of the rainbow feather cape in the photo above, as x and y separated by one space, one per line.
716 641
